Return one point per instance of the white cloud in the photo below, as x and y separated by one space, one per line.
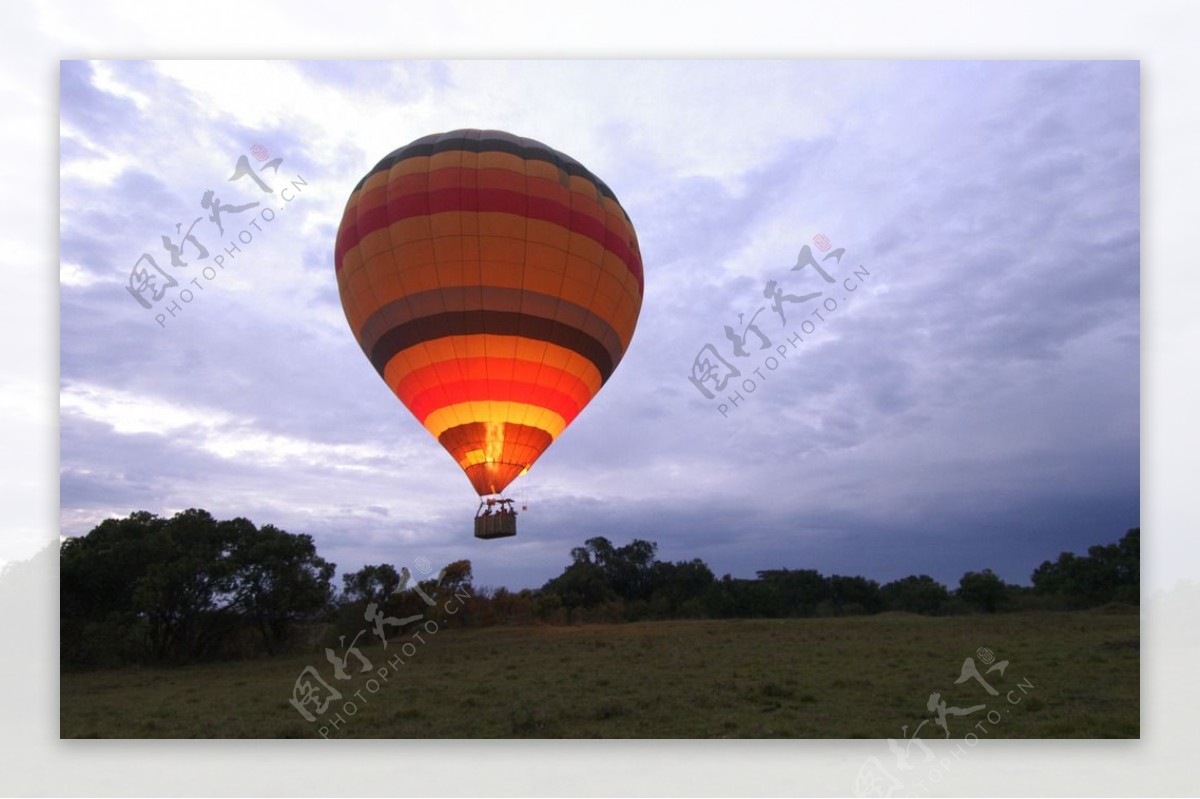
102 168
214 431
73 275
105 78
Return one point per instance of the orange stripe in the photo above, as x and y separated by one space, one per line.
414 267
453 351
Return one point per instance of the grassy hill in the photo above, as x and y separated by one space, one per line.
1069 675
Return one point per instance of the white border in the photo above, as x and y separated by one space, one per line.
1160 34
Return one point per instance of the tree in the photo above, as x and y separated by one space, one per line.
797 592
184 585
370 583
915 594
983 590
187 576
758 598
278 579
628 569
855 594
450 589
601 551
1106 574
678 584
600 572
1059 577
456 577
582 584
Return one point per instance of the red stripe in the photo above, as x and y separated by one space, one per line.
347 232
449 394
477 370
481 368
408 198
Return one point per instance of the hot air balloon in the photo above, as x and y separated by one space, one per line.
494 283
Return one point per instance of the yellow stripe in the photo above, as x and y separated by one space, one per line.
443 419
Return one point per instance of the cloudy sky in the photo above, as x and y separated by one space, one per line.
971 401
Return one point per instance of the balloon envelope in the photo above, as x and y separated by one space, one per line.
494 283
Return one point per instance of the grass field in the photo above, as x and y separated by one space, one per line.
1072 675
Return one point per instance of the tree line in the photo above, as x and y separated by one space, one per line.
147 589
628 583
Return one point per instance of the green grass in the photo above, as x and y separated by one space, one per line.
860 677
